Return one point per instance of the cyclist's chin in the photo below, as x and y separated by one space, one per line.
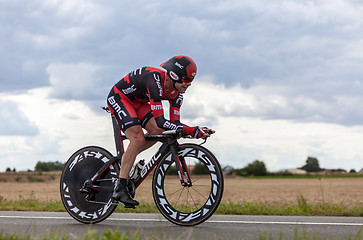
183 90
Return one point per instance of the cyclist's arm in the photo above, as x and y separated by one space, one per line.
157 107
155 94
174 110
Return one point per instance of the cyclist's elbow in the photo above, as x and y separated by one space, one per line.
160 122
165 124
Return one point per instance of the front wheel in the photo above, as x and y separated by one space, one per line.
188 205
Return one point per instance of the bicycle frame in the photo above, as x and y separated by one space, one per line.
169 142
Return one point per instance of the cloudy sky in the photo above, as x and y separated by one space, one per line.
278 80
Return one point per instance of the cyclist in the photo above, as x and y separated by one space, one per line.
135 101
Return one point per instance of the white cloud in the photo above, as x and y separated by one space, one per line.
67 125
270 102
283 144
262 61
75 81
13 121
64 126
246 131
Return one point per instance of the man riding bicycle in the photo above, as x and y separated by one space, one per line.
135 101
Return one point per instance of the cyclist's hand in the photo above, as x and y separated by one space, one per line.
208 130
198 132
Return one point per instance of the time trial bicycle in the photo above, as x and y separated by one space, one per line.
187 184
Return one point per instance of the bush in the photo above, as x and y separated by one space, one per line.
312 165
172 170
200 169
49 166
256 168
31 178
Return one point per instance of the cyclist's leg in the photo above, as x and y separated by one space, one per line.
126 117
128 121
148 122
137 142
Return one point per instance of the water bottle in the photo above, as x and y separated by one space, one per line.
136 169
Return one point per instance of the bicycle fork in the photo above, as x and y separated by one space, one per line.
181 166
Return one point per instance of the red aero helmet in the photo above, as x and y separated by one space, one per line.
180 68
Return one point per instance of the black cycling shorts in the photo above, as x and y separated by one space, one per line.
126 112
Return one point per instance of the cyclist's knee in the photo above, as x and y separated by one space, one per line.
135 136
138 141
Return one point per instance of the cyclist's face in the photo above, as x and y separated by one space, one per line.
182 87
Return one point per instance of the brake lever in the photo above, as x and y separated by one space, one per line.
205 140
209 131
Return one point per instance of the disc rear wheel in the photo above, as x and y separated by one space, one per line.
88 205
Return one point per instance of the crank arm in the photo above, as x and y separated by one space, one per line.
113 203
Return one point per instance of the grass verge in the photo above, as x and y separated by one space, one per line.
290 210
229 208
90 235
303 235
117 235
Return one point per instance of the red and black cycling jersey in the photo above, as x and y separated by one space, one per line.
146 85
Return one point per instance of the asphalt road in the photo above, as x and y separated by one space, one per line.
217 227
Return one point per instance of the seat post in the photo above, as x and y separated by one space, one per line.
117 136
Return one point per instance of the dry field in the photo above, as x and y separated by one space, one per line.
344 191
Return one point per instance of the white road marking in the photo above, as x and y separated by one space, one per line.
35 217
292 223
210 221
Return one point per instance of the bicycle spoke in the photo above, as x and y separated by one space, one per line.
191 196
171 194
196 179
187 206
177 200
201 185
206 198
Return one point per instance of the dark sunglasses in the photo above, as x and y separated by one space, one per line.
187 79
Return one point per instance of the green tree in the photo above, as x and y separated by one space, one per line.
172 170
256 168
49 166
240 172
200 169
312 165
